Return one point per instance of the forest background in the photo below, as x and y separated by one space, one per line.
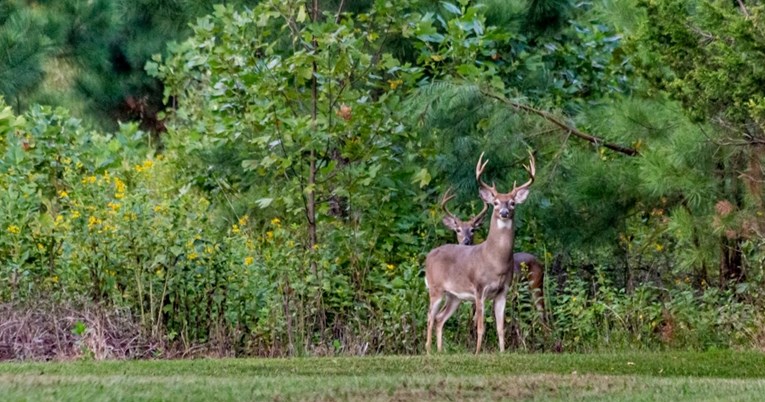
263 177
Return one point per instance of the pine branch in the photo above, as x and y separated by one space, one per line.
552 119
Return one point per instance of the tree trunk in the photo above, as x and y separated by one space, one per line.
311 196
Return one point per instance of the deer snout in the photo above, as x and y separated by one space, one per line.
504 213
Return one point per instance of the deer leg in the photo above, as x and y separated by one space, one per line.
435 303
536 285
449 308
479 321
499 317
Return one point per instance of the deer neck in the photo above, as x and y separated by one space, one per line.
499 242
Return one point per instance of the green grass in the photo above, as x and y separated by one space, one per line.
619 376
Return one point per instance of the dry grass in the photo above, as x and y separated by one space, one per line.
47 331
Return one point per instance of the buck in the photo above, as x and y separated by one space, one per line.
458 272
529 263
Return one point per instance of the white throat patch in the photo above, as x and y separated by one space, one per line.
504 223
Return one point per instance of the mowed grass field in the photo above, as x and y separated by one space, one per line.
671 376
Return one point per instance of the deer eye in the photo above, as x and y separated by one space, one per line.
459 230
471 230
496 203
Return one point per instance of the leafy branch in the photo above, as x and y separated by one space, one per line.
554 120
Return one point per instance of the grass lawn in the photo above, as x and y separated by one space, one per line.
670 376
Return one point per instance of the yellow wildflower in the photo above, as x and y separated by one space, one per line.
75 214
40 247
276 222
209 250
390 267
658 247
243 220
89 180
270 235
192 256
93 221
115 206
315 247
395 83
59 220
235 229
147 164
63 194
119 187
13 229
158 208
248 260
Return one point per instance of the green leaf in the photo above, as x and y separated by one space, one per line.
114 145
423 176
451 8
264 202
301 14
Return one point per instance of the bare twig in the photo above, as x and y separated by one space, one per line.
339 11
743 8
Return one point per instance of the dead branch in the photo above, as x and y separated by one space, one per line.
566 127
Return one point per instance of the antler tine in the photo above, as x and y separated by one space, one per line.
531 169
479 168
480 214
448 196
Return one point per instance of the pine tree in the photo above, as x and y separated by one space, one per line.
25 48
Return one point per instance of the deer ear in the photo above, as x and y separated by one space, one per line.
521 195
486 195
450 223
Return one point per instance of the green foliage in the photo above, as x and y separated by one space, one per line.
23 39
293 198
597 316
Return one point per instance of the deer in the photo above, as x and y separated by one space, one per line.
459 272
465 230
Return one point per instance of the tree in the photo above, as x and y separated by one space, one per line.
299 111
709 57
25 47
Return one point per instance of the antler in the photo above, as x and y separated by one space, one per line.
480 215
531 169
479 168
448 196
